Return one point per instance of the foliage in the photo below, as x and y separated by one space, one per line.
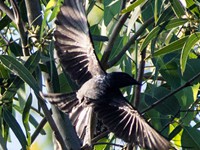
158 43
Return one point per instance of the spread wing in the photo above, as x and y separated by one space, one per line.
126 123
73 43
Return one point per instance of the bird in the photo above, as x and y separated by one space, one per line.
98 93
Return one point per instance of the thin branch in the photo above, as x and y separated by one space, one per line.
51 122
34 13
7 10
139 79
21 27
100 136
112 38
172 93
130 42
107 143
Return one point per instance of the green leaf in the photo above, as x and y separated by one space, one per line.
190 138
132 6
111 9
4 22
191 70
178 8
167 25
25 118
16 67
168 107
2 143
193 7
176 45
192 40
175 132
55 10
13 124
30 64
4 73
166 15
34 122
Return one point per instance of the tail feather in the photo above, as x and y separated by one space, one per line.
79 114
64 101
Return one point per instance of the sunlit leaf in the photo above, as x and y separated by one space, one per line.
176 45
193 7
191 41
133 6
162 27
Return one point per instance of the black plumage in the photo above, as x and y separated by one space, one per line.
98 91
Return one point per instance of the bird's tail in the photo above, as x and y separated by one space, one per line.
79 114
64 101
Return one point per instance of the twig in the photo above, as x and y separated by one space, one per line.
100 136
7 10
34 13
51 122
107 143
21 27
172 93
112 38
130 42
139 79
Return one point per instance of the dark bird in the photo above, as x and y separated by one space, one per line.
98 91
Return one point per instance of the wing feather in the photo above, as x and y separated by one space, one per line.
73 43
126 123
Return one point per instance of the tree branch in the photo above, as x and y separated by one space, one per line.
130 42
21 27
139 79
34 12
172 93
7 10
51 122
112 38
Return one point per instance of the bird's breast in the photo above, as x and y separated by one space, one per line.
95 88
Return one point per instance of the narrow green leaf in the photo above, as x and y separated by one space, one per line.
55 10
13 124
16 67
177 8
4 73
158 29
133 5
25 118
192 40
30 64
4 22
176 45
2 143
166 15
34 122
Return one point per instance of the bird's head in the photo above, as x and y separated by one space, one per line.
121 79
